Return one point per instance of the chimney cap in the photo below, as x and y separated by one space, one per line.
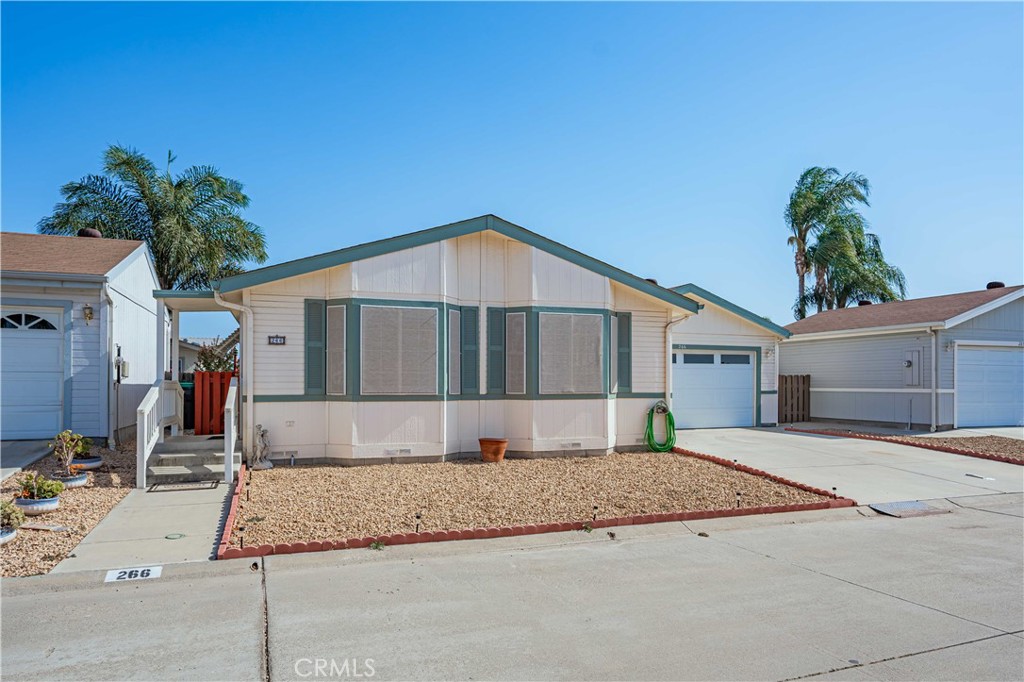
91 232
995 285
860 303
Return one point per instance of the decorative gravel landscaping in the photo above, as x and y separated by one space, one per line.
37 551
314 503
987 447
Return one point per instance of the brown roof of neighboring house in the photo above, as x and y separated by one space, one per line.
25 252
913 311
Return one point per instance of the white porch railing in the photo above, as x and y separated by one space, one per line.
230 430
164 405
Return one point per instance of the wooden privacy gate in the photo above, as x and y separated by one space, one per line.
794 398
211 389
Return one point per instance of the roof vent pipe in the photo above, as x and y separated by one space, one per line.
994 285
860 303
652 281
90 232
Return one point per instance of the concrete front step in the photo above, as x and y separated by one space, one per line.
184 474
193 444
190 458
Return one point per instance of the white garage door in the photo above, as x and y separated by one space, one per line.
32 364
990 387
712 389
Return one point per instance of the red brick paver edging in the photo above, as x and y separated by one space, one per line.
229 521
226 551
901 441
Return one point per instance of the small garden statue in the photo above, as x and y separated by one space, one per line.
261 453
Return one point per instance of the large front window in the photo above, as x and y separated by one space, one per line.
398 349
571 353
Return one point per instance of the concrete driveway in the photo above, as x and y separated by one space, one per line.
15 455
867 471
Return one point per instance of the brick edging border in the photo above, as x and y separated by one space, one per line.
229 521
226 551
901 441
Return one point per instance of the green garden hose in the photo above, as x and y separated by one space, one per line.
661 407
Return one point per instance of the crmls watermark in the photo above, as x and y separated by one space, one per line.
330 667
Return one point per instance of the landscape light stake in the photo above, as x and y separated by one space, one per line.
595 512
738 496
834 496
419 515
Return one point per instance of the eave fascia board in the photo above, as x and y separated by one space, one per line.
867 331
351 254
182 293
725 304
984 308
51 279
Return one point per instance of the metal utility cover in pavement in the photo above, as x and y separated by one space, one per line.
903 510
186 485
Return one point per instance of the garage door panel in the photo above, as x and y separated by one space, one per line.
32 386
712 395
990 387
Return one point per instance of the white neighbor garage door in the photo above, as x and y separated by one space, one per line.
990 387
32 365
712 389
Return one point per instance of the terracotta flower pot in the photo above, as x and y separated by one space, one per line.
493 449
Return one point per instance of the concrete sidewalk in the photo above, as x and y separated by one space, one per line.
16 455
143 529
838 594
867 471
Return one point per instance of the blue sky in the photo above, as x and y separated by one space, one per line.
662 138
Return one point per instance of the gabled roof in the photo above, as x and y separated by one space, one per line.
760 321
435 234
43 253
922 312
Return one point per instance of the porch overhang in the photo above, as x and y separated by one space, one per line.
188 301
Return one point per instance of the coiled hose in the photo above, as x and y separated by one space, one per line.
661 407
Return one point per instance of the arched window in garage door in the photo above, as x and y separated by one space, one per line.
26 321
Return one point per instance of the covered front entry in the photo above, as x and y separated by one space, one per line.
32 390
990 386
713 388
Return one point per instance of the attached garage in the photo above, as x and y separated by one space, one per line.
33 369
713 389
990 386
723 365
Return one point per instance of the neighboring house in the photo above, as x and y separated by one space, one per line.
412 348
940 362
188 355
724 369
78 334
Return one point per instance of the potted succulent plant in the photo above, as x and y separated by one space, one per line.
66 445
493 449
11 519
84 459
38 495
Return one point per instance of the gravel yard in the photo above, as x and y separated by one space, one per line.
303 503
985 445
37 551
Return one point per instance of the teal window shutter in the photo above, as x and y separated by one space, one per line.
470 350
625 351
316 347
495 350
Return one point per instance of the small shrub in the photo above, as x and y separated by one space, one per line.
587 528
68 445
39 487
377 545
10 516
84 448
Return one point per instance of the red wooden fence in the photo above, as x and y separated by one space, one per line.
794 398
211 389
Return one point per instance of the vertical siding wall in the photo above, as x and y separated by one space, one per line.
134 329
485 270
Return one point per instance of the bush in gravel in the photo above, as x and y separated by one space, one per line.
39 487
11 517
68 445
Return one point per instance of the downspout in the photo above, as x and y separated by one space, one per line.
247 364
668 356
107 322
935 379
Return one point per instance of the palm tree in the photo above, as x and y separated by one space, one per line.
192 222
820 195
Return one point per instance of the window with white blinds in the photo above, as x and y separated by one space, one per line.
454 352
571 353
336 349
398 347
515 353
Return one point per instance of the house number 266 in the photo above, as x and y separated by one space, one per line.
141 573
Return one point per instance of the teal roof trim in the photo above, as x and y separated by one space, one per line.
182 293
732 308
331 259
